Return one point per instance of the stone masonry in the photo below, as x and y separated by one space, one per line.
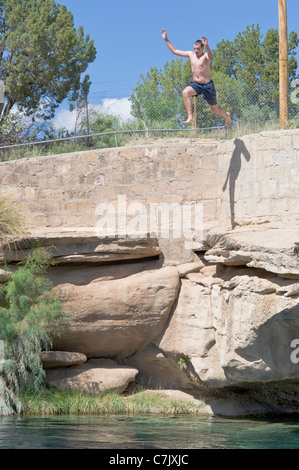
239 182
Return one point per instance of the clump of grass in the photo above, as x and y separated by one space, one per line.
147 401
51 401
240 130
42 149
11 220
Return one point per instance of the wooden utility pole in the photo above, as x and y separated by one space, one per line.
283 63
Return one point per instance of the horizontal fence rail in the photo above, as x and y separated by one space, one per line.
115 133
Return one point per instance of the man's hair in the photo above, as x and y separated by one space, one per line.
199 41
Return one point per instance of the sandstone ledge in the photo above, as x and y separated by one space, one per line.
273 249
70 246
54 359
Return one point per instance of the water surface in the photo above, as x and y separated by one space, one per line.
147 432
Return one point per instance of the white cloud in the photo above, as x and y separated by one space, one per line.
118 107
65 119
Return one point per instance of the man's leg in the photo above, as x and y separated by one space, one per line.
187 93
218 110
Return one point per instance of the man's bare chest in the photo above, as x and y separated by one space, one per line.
199 63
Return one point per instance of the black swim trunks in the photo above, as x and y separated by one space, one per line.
206 89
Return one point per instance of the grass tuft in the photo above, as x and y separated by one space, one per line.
51 401
11 221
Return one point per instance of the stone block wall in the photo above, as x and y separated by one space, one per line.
64 190
259 179
250 180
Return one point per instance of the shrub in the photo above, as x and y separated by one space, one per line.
29 313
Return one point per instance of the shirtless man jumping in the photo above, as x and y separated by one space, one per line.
202 82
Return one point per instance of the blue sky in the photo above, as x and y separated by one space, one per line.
128 39
127 36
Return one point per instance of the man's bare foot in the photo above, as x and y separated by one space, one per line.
189 120
228 120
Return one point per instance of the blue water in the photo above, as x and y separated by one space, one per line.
147 432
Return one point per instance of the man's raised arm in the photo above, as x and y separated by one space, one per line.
172 48
209 53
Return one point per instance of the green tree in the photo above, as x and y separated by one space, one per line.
81 107
253 62
105 123
158 95
42 55
251 58
29 314
145 97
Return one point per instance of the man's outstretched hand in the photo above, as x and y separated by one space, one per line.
164 34
204 40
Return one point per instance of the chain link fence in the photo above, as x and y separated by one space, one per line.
107 118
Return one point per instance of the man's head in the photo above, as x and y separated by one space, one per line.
198 46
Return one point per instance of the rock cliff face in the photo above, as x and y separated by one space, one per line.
211 329
217 317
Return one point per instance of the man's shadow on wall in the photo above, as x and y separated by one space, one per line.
233 172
